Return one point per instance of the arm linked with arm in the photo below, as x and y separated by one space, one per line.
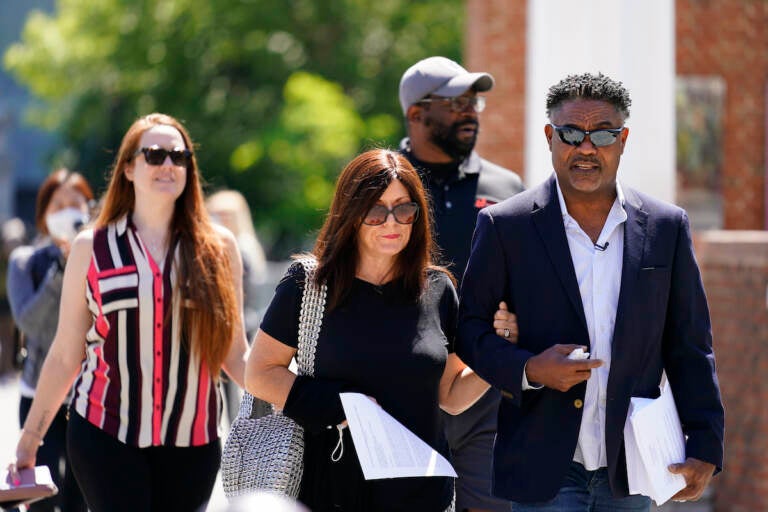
460 387
485 284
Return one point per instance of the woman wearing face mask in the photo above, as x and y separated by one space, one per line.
34 286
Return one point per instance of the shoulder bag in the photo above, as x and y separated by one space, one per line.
267 453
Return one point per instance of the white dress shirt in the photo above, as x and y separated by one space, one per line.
598 272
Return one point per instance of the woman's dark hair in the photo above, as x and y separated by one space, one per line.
52 183
360 185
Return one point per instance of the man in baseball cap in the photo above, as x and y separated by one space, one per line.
439 76
441 104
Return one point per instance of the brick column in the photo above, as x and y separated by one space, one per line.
495 42
735 270
729 38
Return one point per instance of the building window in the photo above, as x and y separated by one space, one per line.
699 107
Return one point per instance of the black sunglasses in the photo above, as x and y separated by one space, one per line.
574 136
156 155
405 213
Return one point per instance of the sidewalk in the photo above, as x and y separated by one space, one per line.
9 412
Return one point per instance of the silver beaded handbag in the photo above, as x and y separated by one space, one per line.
267 453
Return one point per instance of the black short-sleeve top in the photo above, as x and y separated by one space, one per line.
382 344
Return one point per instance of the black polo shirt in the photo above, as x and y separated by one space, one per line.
457 192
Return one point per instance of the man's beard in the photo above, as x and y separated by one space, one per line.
446 137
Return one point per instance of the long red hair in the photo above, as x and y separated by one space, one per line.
204 284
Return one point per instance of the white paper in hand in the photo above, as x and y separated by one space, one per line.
653 439
578 354
385 448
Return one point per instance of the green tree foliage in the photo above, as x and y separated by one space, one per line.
277 95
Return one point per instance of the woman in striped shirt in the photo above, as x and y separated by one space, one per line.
160 317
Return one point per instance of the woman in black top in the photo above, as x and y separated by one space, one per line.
388 332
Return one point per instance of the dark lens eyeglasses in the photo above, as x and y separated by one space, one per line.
156 155
599 138
460 103
405 213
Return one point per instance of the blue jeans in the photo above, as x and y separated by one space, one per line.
586 491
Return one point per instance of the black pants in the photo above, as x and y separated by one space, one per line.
116 477
53 454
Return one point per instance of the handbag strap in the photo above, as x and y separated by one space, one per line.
310 317
310 322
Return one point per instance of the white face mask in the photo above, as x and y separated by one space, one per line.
64 224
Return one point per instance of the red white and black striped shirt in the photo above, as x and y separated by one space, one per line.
139 381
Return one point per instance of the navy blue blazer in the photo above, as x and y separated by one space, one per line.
520 254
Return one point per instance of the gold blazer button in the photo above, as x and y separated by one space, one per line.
578 404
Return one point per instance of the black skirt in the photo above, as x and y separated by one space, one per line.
329 486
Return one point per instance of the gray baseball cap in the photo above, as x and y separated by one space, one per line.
439 76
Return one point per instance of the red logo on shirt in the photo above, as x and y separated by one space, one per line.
482 202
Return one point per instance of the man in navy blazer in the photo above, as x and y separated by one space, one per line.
586 263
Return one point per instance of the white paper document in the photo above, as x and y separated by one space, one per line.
385 448
653 439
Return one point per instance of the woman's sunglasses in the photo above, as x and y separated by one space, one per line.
405 213
156 155
574 137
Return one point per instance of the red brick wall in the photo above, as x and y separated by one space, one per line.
729 38
495 42
735 270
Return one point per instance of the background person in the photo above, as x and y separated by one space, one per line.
441 104
586 262
159 319
230 209
388 332
34 282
